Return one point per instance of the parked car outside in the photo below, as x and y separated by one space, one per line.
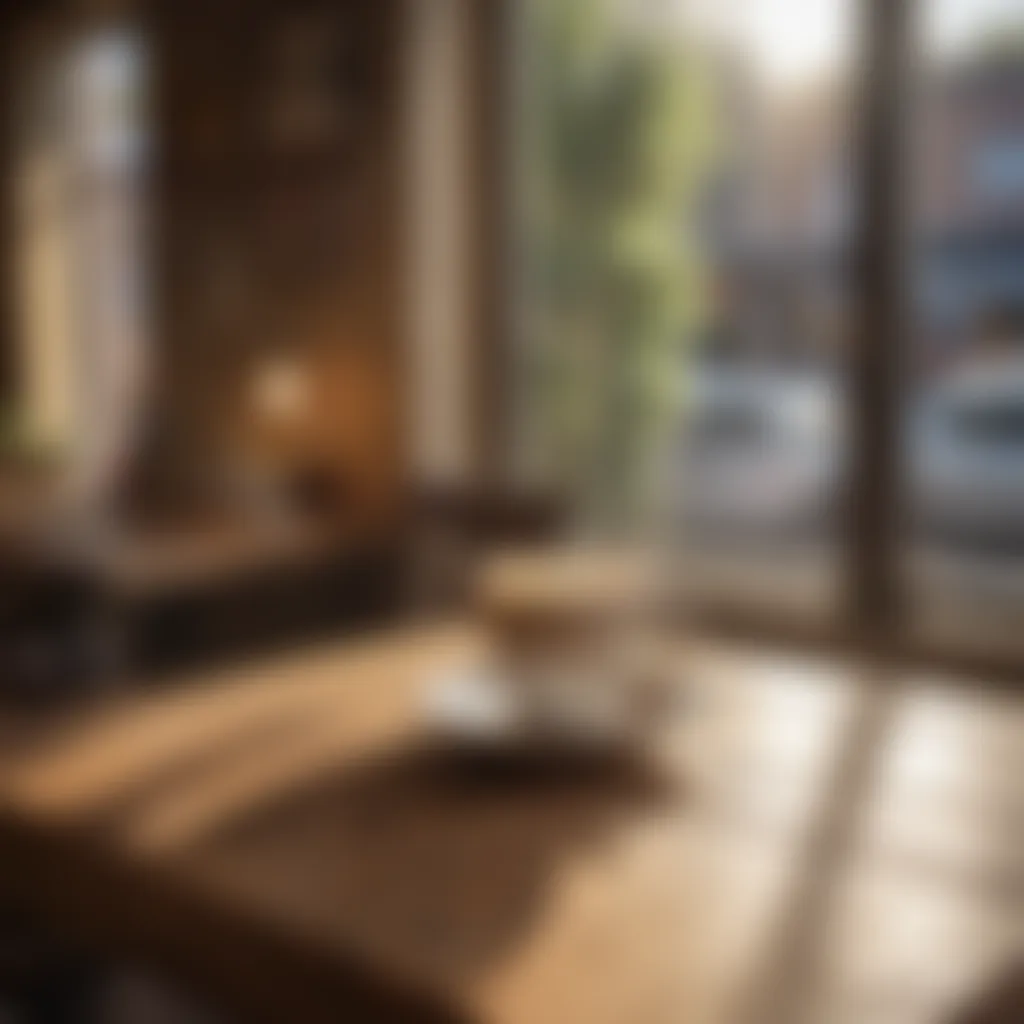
967 459
761 454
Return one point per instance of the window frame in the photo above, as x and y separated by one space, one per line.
871 622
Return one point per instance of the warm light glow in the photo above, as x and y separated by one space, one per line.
280 389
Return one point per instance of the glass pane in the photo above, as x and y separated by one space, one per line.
615 142
686 214
761 447
81 275
965 408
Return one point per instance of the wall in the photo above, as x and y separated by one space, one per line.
280 247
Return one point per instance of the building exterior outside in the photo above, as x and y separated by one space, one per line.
781 223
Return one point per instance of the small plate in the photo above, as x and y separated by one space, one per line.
479 706
472 703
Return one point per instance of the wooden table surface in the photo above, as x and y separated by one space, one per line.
808 845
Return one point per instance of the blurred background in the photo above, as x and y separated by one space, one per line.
306 306
583 262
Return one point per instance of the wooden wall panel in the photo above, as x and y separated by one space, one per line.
279 238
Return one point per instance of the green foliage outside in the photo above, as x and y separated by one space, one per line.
616 137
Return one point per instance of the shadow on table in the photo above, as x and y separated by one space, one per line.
435 857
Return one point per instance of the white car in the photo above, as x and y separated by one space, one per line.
967 459
760 456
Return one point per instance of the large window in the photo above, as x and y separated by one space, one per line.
771 282
964 394
688 210
80 263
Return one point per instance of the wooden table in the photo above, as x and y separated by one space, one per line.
807 846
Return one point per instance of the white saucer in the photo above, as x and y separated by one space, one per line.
476 705
471 703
